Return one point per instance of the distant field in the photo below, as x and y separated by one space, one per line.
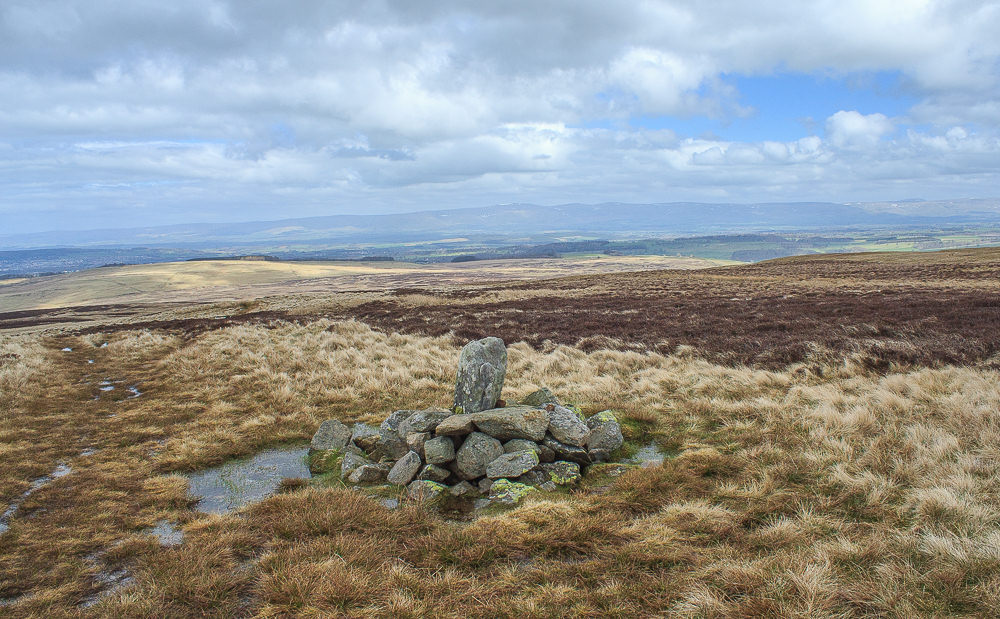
230 280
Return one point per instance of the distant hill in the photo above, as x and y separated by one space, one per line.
527 223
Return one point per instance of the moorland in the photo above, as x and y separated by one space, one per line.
831 426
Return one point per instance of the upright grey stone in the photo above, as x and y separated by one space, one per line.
476 452
482 368
567 427
405 469
331 435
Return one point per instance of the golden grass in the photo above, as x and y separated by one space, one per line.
820 491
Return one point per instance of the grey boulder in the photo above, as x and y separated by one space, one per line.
456 425
513 422
567 427
365 436
422 421
404 470
368 474
433 472
561 473
353 459
605 434
415 441
482 367
440 450
520 444
331 434
571 453
476 452
512 465
425 490
391 423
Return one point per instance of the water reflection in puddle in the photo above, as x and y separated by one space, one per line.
232 485
167 533
61 470
650 455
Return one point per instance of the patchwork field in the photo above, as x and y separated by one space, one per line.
831 426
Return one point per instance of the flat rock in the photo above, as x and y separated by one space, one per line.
512 464
540 398
424 490
561 473
571 453
331 434
440 450
567 427
508 492
482 368
405 469
456 425
365 436
476 452
512 422
422 421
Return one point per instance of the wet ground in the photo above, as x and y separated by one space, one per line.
232 485
61 470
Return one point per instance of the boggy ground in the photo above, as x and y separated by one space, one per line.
831 486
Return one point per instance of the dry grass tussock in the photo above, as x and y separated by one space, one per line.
808 492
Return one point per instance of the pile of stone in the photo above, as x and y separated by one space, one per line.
481 446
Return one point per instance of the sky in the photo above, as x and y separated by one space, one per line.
135 112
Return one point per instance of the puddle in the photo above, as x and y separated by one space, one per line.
104 345
166 532
61 470
232 485
89 451
133 392
109 581
67 350
650 455
90 360
104 387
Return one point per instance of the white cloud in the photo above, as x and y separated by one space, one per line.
852 129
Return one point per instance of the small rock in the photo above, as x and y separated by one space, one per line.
331 435
482 367
521 444
512 465
368 474
534 477
567 427
456 425
513 422
605 434
485 484
391 423
476 452
424 490
568 452
547 486
440 450
540 398
463 488
415 441
433 472
545 453
562 473
508 492
353 459
390 447
365 436
403 471
423 421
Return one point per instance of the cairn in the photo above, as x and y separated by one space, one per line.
481 446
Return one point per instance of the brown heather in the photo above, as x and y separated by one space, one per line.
831 487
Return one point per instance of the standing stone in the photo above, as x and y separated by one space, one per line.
404 470
540 398
605 435
482 367
475 453
440 450
331 435
365 436
567 427
512 465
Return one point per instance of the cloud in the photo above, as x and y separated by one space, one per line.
344 106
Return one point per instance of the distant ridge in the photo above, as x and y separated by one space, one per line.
527 222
